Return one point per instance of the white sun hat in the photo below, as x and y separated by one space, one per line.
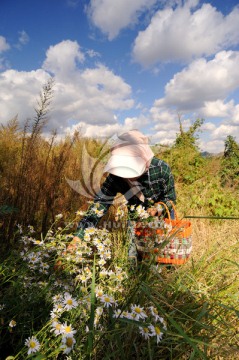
130 155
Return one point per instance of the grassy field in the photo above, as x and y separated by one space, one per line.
69 305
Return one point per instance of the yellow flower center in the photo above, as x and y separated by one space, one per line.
69 342
157 330
67 329
69 302
137 310
32 344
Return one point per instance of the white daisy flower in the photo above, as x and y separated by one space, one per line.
33 345
100 247
117 313
37 242
33 258
107 300
44 266
154 313
58 297
99 292
99 213
138 312
141 212
31 229
80 212
127 315
96 241
155 331
90 230
67 330
99 311
163 322
69 302
56 327
12 323
20 228
58 308
67 344
103 273
145 332
102 262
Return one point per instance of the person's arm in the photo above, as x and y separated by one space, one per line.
101 204
162 181
169 193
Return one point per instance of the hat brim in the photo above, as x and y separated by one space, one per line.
125 166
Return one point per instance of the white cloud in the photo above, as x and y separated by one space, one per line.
108 130
62 58
212 146
4 46
73 3
81 95
222 131
184 33
217 108
23 37
18 93
203 82
209 126
112 16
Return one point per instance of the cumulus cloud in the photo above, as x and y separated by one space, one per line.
186 32
112 16
18 93
235 117
81 95
217 108
201 89
222 131
212 146
62 59
4 46
203 82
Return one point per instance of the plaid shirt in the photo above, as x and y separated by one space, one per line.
156 184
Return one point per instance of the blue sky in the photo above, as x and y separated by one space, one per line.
120 64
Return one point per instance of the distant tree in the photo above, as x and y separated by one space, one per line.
230 163
184 156
188 138
231 147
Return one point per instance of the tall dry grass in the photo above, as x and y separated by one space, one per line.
33 172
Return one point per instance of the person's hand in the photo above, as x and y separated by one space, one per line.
155 210
152 211
73 244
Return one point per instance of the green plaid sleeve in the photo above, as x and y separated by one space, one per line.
162 182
